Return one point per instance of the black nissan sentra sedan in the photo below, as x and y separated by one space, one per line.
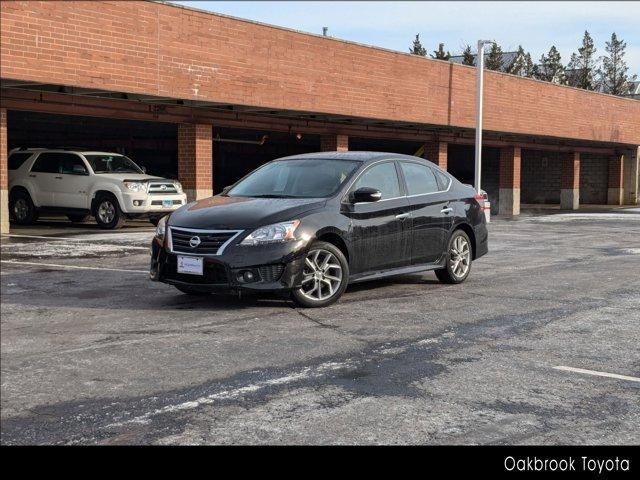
308 225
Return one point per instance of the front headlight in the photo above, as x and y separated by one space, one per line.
161 228
136 186
276 233
178 186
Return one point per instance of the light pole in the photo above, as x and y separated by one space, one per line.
479 87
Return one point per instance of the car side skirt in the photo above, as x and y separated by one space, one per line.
424 267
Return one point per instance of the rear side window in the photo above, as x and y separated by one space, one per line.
420 179
46 163
56 162
443 180
382 177
17 159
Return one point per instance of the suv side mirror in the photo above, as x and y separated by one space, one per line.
79 170
366 194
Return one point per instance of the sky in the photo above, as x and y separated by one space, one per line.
534 25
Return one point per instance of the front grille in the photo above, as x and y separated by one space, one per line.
213 273
160 188
211 242
159 202
271 273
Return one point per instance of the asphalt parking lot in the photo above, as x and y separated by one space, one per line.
540 346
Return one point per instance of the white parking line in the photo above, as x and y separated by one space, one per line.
72 266
598 374
74 240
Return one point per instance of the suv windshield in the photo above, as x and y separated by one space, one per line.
112 164
304 178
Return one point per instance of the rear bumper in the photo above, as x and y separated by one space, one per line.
482 239
275 268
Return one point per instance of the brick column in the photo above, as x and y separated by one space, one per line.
570 181
436 152
509 194
615 192
195 160
631 179
4 174
334 143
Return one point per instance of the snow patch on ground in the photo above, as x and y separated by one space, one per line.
564 217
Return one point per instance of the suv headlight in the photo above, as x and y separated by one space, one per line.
178 186
276 233
136 186
161 228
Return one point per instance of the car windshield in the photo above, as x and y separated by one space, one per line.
303 178
109 163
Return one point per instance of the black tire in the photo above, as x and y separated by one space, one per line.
21 208
191 291
78 218
447 274
302 297
107 212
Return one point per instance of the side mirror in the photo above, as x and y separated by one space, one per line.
226 189
79 170
143 168
366 194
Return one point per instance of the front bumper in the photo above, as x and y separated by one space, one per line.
275 268
138 203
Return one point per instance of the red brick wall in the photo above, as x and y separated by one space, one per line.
159 49
195 158
4 173
570 171
436 152
334 143
510 167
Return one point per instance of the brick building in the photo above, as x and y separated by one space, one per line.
206 98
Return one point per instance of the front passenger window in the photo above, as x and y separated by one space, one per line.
382 177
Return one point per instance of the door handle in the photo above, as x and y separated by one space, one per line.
58 178
446 210
33 176
402 216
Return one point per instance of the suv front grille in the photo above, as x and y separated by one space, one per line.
212 242
162 188
212 274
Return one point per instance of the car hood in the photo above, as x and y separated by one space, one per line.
235 213
140 177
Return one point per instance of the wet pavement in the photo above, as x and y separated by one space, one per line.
92 352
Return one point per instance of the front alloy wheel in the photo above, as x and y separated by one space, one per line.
107 212
324 276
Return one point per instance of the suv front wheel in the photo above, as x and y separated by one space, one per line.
107 212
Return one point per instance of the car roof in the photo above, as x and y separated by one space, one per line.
359 156
67 150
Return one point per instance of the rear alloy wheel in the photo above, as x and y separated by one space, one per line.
21 208
459 255
325 275
107 212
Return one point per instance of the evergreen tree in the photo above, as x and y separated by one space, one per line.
521 64
494 58
468 58
440 54
417 48
613 73
582 64
551 68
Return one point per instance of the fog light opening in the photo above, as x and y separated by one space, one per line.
137 203
246 276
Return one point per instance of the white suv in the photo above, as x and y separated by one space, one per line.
109 186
